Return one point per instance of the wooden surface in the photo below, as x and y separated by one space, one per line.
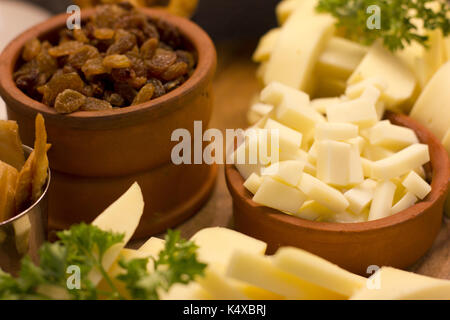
234 87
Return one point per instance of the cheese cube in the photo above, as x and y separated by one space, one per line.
277 195
289 171
401 162
367 166
299 45
391 136
257 111
428 109
408 200
266 45
381 63
319 271
313 210
245 157
260 271
329 87
321 104
253 183
323 193
416 185
356 90
360 112
289 139
359 142
397 284
340 58
333 162
356 174
375 153
275 92
382 200
335 131
360 196
349 217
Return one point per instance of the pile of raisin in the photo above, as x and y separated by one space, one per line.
120 57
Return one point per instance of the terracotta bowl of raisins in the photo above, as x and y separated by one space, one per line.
112 93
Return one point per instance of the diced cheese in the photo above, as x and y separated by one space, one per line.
321 104
266 45
401 162
122 216
335 131
257 111
253 183
416 185
323 193
379 62
246 158
360 196
286 7
299 45
289 140
375 153
394 284
333 162
340 58
359 142
356 174
405 202
275 92
319 271
348 217
356 90
288 172
280 196
216 245
367 166
312 210
382 200
243 267
429 109
359 111
391 136
329 87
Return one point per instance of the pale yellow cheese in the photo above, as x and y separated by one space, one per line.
323 193
246 158
333 162
253 183
356 171
319 271
289 140
257 111
260 271
321 104
122 216
356 90
152 246
429 109
375 153
266 45
405 202
288 172
379 62
367 167
335 131
359 142
416 185
328 87
277 195
286 7
401 162
391 136
313 210
299 45
359 111
383 197
393 284
360 196
275 92
340 58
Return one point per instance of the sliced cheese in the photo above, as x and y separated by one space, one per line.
416 185
382 200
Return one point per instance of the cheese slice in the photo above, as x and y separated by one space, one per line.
299 45
152 246
394 284
266 45
319 271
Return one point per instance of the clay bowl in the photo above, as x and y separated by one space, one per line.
398 240
96 156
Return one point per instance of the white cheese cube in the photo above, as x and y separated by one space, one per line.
408 200
401 162
360 196
266 45
356 174
335 131
333 162
289 171
391 136
253 183
245 157
257 111
323 193
416 185
359 142
290 140
356 90
375 153
299 45
275 92
381 63
367 167
360 112
382 200
321 104
277 195
313 210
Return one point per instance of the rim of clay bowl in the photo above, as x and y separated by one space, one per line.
439 185
191 32
28 150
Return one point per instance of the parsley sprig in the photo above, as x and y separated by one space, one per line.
85 246
399 20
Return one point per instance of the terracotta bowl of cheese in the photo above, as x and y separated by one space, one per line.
398 240
96 156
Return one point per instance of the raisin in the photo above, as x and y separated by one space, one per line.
123 74
116 61
145 94
93 67
149 47
94 104
159 88
114 99
58 83
82 55
103 33
161 60
69 101
175 71
126 91
64 49
80 36
124 41
31 49
171 85
137 64
186 57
